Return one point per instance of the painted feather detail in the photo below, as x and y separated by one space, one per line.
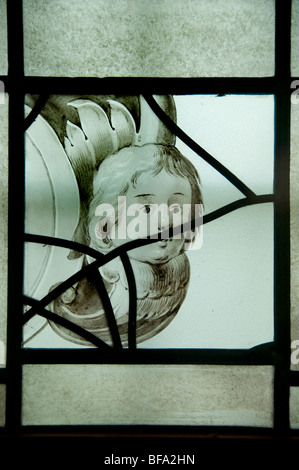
97 136
161 291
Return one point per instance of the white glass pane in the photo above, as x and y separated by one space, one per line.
295 39
229 303
51 208
294 204
238 130
234 263
147 394
159 38
3 38
3 221
235 260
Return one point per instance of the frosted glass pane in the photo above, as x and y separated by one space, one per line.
3 38
294 407
3 222
295 39
235 259
159 38
294 206
2 404
159 394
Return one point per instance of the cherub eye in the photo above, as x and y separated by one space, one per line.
175 208
147 208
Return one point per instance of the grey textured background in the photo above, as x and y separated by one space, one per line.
147 394
295 39
168 38
3 41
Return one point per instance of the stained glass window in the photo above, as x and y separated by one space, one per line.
200 338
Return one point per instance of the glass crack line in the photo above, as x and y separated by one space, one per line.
175 129
39 105
102 259
132 301
65 323
224 210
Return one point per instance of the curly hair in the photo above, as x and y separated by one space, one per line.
122 169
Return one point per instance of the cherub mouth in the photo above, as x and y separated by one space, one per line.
164 242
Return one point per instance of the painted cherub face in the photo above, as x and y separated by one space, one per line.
154 204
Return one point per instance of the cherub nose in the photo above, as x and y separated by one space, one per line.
164 227
164 221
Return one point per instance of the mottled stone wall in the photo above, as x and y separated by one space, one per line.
148 394
160 38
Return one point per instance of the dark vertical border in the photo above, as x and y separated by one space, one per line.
15 212
282 214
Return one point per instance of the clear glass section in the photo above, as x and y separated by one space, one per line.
295 39
3 219
294 207
238 130
229 303
235 258
3 38
153 39
2 404
294 407
147 394
233 261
